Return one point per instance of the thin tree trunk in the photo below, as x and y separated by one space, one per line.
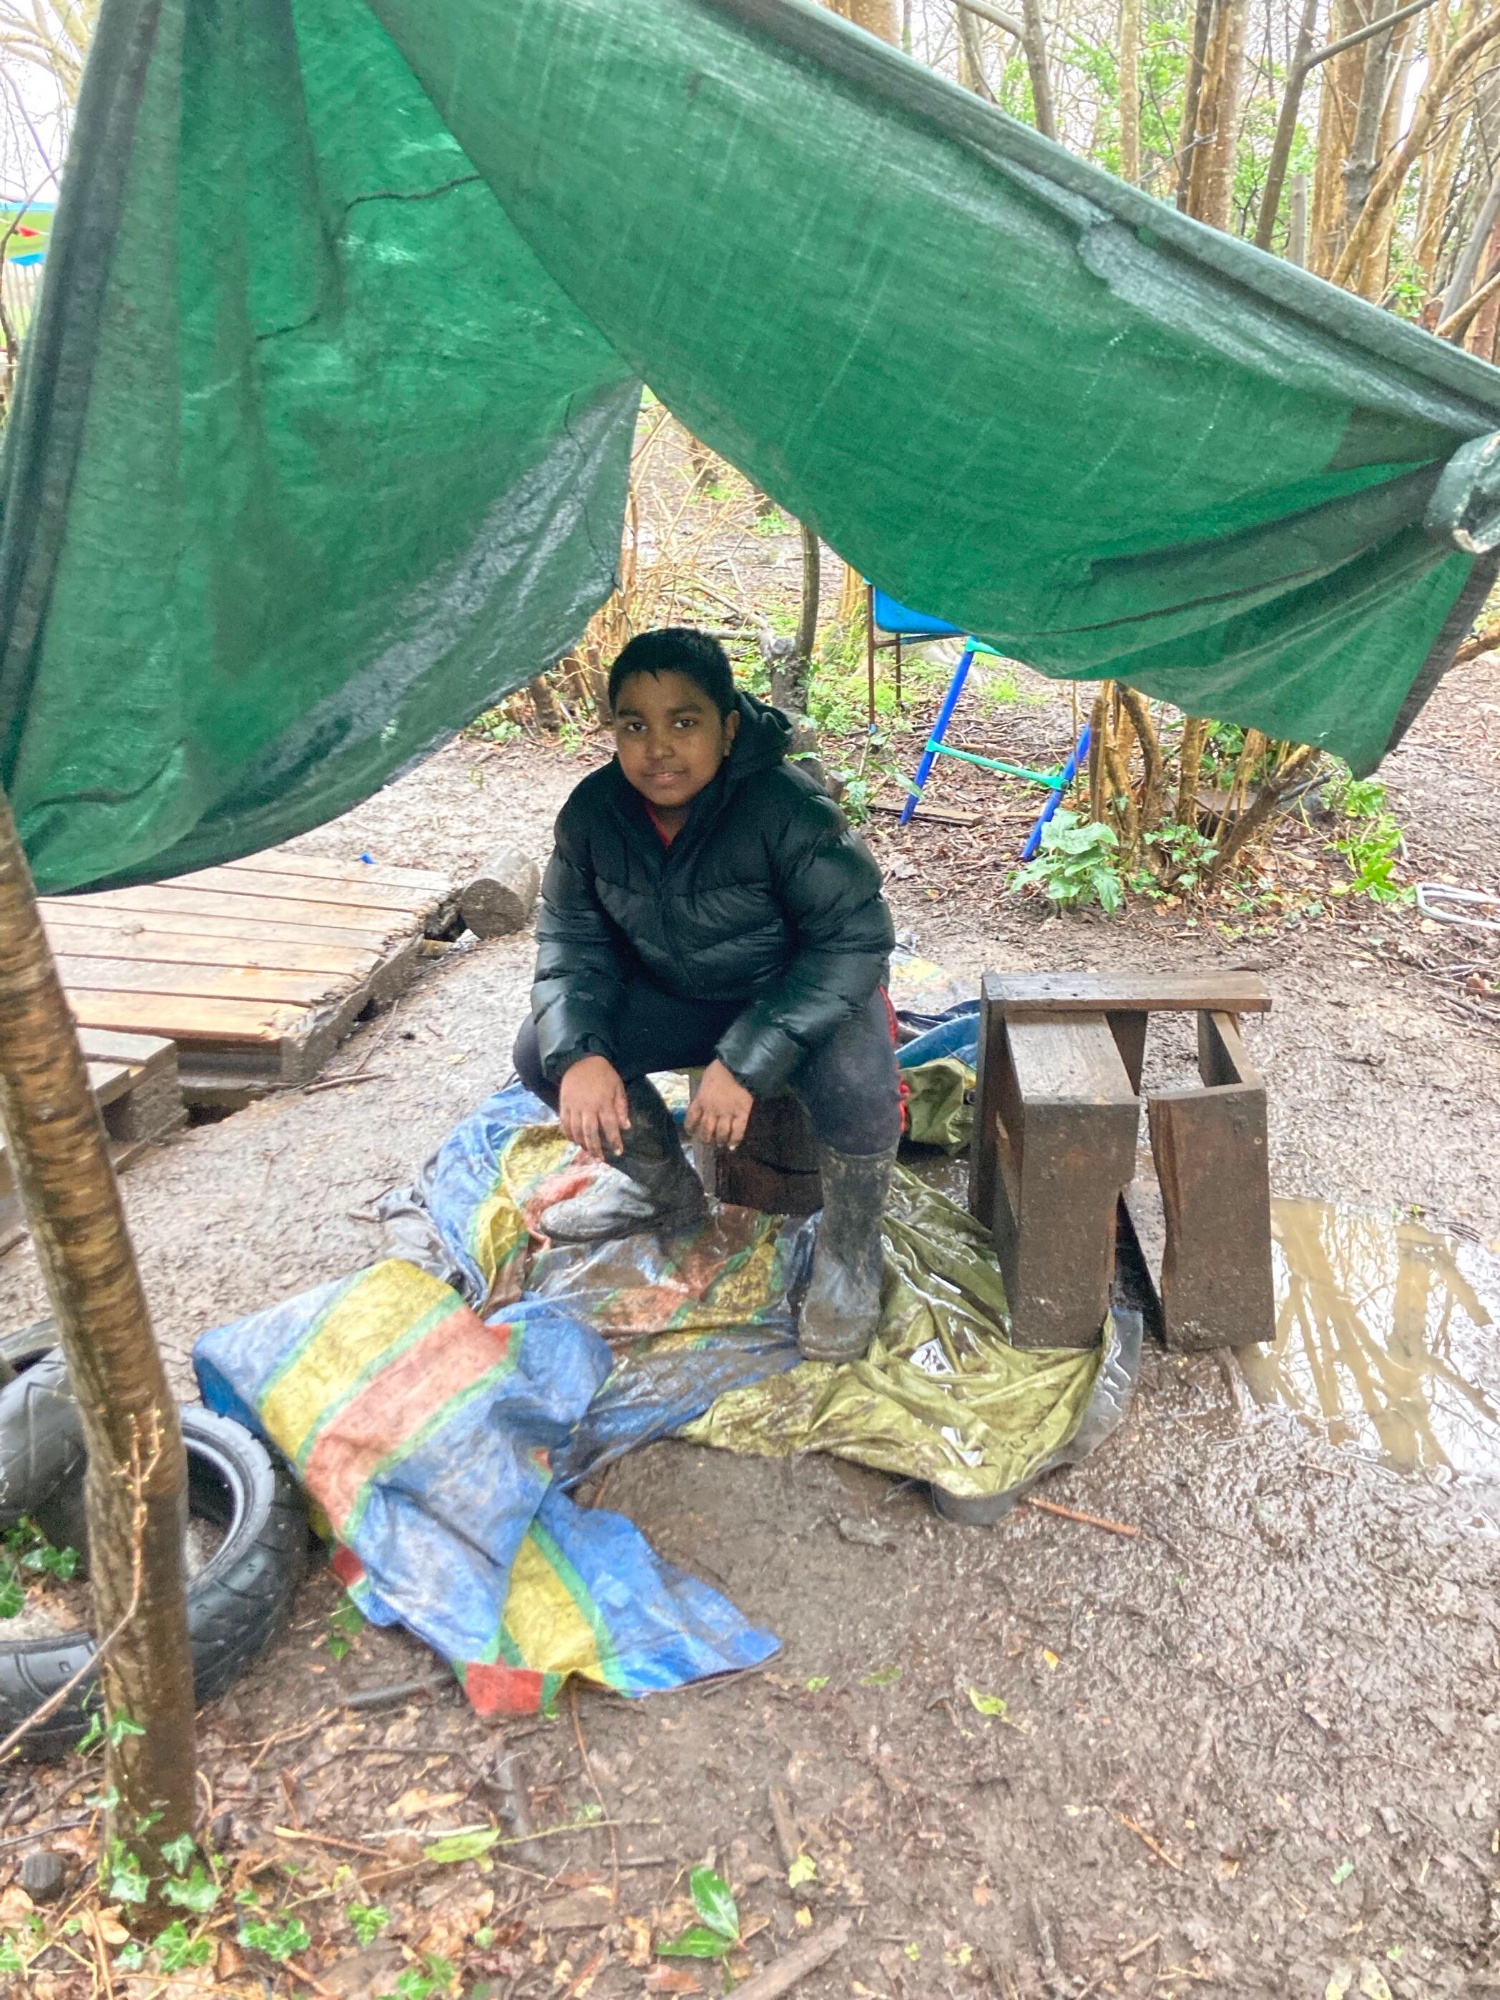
1190 761
1036 64
1440 165
1359 167
971 57
1153 796
1130 91
807 624
1475 257
58 1155
1388 182
1187 137
1098 731
879 17
1211 196
1263 811
1286 132
1296 222
544 701
1337 110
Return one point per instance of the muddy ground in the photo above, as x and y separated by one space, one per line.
1252 1748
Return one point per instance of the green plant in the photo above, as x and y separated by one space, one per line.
367 1920
198 1892
719 1932
345 1623
26 1552
434 1975
1372 849
772 522
1178 858
277 1941
177 1949
127 1881
1075 865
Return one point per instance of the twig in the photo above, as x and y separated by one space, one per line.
1155 1845
345 1082
785 1973
1139 1950
138 1476
312 1979
1088 1520
328 1840
35 1833
588 1772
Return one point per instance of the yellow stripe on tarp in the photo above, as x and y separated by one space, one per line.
382 1309
542 1618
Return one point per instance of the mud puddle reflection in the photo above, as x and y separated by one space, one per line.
1385 1338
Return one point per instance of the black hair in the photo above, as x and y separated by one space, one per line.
678 649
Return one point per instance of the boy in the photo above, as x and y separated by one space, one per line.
707 905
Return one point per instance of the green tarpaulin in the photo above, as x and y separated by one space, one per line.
324 428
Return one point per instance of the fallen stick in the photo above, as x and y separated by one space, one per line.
327 1840
1155 1845
785 1973
1088 1520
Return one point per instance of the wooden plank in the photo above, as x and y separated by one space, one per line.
1126 992
1212 1162
219 982
188 1019
278 861
378 926
183 948
1064 1140
196 922
144 1053
109 1081
351 890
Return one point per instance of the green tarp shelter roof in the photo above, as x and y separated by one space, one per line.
324 429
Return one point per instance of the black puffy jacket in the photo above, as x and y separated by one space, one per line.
764 896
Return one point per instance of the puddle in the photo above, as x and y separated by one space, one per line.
1386 1338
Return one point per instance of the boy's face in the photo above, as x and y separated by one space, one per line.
670 738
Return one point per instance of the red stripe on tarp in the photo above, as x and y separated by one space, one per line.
496 1689
449 1358
346 1565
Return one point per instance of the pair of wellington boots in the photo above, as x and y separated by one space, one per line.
653 1187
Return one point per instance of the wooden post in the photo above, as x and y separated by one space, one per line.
136 1485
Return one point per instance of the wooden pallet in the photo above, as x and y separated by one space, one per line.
256 969
136 1087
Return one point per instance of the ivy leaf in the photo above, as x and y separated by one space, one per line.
713 1902
697 1941
461 1846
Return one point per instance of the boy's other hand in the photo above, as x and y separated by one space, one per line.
593 1107
721 1110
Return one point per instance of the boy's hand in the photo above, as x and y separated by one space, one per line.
593 1107
721 1110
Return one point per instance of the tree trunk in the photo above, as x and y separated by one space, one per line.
971 56
1210 180
1190 760
807 624
1036 64
1130 91
58 1155
877 17
1337 112
1192 95
1286 133
1440 165
1476 256
1359 167
1296 222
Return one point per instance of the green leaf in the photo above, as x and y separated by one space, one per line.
10 1955
461 1846
131 1958
367 1920
119 1727
713 1902
987 1704
128 1881
278 1941
178 1853
1342 1873
12 1592
803 1869
198 1893
176 1949
817 1683
697 1941
882 1677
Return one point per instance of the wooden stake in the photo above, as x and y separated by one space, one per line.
61 1164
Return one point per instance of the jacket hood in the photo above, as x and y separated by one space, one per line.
764 738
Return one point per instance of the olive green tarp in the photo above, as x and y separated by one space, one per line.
325 422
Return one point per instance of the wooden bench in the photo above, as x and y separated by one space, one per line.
135 1084
1053 1161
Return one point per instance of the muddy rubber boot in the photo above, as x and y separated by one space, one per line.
650 1186
842 1308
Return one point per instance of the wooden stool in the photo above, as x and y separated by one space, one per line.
1055 1129
776 1165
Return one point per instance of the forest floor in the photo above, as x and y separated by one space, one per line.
1252 1749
